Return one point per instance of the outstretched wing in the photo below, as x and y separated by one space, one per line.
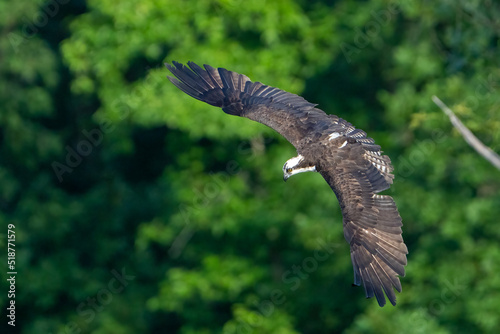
289 114
372 224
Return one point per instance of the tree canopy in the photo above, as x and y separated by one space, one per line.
138 209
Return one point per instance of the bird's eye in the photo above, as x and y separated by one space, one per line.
288 170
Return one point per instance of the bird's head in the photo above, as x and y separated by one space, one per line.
296 165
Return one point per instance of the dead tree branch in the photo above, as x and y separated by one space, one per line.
469 137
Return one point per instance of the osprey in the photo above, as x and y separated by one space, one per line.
348 160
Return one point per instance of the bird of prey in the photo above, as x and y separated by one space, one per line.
350 162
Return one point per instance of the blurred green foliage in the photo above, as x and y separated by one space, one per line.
140 210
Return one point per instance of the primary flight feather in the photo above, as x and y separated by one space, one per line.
348 160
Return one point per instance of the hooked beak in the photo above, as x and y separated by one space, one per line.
285 177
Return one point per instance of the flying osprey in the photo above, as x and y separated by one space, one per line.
348 160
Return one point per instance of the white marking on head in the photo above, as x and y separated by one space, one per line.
344 144
333 135
290 167
293 162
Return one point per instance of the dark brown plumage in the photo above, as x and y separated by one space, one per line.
348 160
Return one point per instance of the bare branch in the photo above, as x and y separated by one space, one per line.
469 137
